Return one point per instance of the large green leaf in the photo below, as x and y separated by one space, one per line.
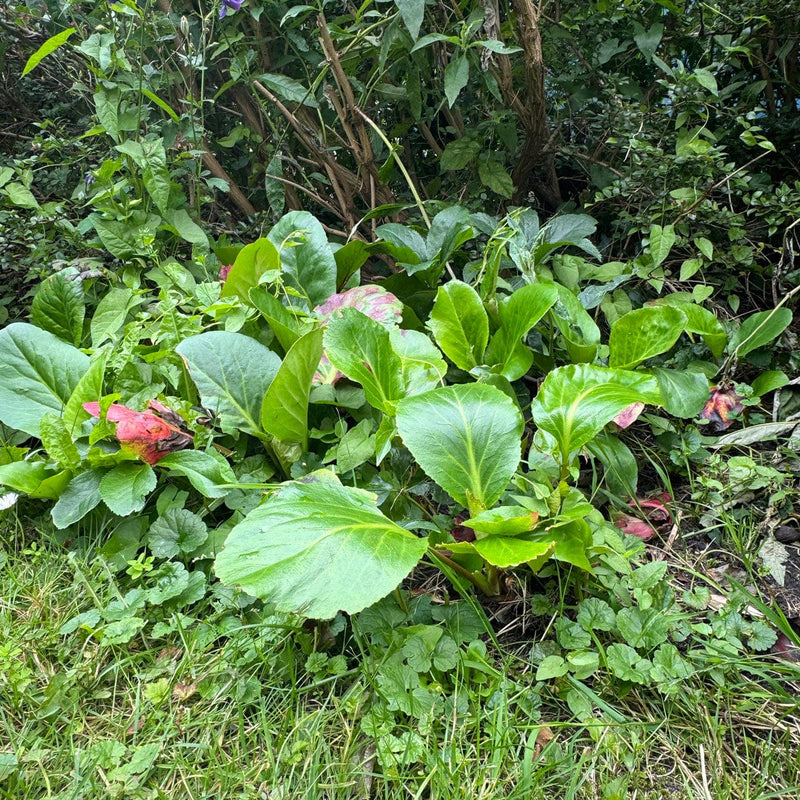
124 489
518 314
760 329
34 478
78 499
684 392
699 320
39 372
59 307
251 263
306 255
319 548
510 551
361 348
644 333
460 325
575 402
580 331
284 412
208 471
466 437
232 373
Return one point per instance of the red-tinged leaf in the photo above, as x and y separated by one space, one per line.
372 301
147 434
224 271
721 404
635 527
629 415
785 648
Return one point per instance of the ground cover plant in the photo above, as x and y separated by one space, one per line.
430 429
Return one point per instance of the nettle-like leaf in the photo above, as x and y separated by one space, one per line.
59 307
465 437
39 372
318 548
644 333
575 402
232 372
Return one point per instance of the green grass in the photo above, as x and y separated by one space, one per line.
236 715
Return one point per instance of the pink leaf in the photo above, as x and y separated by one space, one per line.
629 415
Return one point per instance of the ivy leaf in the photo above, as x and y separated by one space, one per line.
661 242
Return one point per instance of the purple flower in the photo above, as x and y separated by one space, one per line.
233 5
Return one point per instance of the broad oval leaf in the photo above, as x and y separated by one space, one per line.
125 488
80 496
319 548
518 314
361 348
306 256
684 392
232 372
39 372
284 411
465 437
760 329
510 551
460 324
644 333
252 261
575 402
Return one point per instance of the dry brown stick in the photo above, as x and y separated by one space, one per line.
363 154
